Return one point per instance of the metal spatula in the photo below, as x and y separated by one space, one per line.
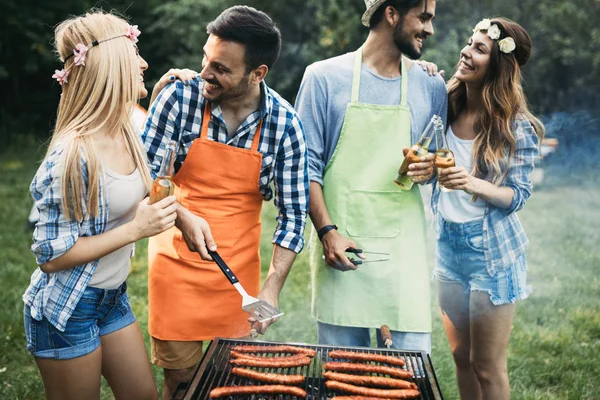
259 309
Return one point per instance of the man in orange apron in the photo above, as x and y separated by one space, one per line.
235 136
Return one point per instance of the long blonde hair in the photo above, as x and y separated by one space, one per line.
503 100
97 97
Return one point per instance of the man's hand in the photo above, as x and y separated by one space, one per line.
334 250
195 232
281 262
421 171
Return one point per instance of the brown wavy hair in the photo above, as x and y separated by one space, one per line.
503 101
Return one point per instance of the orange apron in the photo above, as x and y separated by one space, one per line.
190 299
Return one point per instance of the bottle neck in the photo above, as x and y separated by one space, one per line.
166 167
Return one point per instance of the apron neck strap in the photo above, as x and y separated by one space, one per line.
356 79
206 120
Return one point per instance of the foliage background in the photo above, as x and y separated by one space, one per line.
562 74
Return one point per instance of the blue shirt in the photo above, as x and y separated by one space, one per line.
55 295
177 115
325 93
504 239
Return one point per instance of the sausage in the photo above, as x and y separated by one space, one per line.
384 393
272 362
386 335
376 369
353 355
365 380
237 354
275 349
281 379
227 391
358 398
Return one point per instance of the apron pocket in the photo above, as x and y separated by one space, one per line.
374 214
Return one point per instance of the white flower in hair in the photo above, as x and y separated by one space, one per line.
507 45
494 32
482 25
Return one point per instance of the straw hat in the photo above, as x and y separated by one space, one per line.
372 5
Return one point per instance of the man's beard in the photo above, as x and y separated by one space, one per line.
405 44
237 91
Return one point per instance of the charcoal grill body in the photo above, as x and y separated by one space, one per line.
215 371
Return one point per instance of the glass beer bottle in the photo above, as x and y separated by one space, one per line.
444 157
416 152
163 185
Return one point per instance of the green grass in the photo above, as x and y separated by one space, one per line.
554 351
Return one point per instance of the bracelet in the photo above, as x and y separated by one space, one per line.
321 232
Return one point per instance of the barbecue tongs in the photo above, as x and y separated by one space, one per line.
259 309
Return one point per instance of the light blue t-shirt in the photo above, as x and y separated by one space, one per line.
325 92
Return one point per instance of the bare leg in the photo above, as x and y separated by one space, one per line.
174 377
77 378
126 366
454 304
490 332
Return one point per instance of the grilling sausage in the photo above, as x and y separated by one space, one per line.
358 398
271 362
370 380
227 391
376 369
353 355
237 354
281 379
275 349
383 393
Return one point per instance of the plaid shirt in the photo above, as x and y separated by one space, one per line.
177 115
503 236
56 295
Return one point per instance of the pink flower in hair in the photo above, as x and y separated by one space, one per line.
132 32
61 76
79 53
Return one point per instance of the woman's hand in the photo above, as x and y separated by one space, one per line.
153 219
431 68
458 178
185 75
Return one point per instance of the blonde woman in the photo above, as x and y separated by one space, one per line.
90 192
480 261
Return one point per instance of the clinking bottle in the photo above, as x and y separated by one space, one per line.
163 185
417 151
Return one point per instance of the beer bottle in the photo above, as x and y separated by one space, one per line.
417 151
163 185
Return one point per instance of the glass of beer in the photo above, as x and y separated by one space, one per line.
163 185
444 157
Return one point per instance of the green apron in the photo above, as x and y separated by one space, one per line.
367 207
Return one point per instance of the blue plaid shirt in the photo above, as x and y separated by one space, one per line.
504 239
177 115
56 295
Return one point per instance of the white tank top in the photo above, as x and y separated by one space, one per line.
458 206
124 193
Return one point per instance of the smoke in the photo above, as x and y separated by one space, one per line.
578 147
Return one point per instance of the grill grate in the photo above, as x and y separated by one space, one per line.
215 371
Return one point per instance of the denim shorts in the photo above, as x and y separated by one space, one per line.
98 313
460 258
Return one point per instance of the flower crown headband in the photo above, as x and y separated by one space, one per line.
132 32
506 45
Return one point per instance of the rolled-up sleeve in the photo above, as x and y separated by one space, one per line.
54 234
291 186
161 126
311 104
522 164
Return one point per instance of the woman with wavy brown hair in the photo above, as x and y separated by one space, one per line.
480 260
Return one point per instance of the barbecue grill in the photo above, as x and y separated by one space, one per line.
215 371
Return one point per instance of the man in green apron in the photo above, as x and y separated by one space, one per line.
360 112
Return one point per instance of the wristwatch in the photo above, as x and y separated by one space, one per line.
321 232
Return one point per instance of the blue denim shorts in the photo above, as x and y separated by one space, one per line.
98 313
460 258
